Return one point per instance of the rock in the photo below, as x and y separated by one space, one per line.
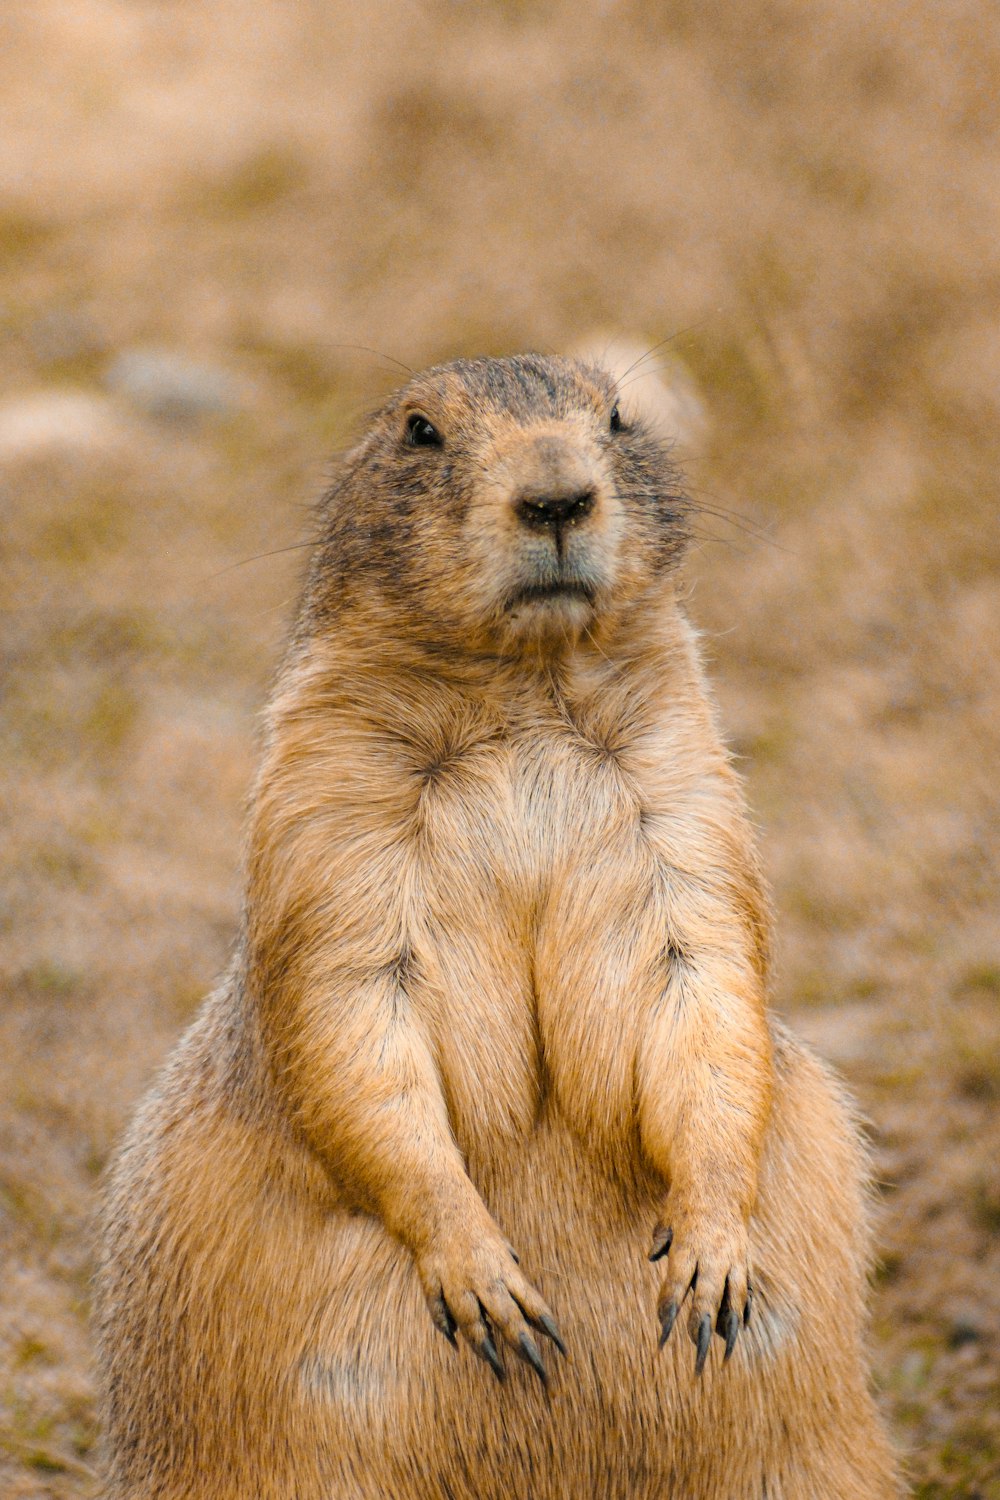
171 387
52 420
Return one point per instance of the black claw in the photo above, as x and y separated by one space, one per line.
513 1255
443 1321
550 1330
733 1325
660 1248
704 1339
529 1353
486 1350
747 1305
544 1324
667 1319
722 1321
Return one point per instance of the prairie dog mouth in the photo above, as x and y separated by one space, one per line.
540 593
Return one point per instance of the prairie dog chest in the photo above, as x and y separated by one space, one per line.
513 817
540 886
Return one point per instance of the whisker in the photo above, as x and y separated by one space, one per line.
735 519
259 556
732 518
689 328
704 537
365 349
616 669
657 369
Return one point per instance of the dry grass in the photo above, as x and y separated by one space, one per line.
808 192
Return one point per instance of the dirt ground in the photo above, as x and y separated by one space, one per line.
204 212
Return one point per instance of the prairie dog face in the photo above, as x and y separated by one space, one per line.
504 504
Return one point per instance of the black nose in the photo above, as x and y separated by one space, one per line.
554 511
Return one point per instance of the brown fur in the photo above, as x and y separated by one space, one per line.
501 982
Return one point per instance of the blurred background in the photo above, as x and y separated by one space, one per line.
794 205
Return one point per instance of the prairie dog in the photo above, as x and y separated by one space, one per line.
493 1066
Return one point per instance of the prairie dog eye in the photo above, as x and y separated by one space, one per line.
615 420
420 433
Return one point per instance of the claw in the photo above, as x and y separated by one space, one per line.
667 1319
487 1351
729 1322
529 1353
747 1305
443 1321
733 1323
513 1255
704 1339
550 1330
543 1323
662 1241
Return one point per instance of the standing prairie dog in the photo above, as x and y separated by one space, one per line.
493 1061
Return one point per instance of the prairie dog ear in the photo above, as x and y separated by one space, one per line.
654 384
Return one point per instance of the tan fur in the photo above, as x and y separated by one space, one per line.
501 983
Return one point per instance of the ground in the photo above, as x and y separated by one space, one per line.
209 215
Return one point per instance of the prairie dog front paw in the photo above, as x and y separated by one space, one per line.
474 1286
707 1257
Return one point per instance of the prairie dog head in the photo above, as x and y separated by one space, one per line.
502 504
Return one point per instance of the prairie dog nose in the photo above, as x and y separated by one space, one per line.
539 511
555 485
